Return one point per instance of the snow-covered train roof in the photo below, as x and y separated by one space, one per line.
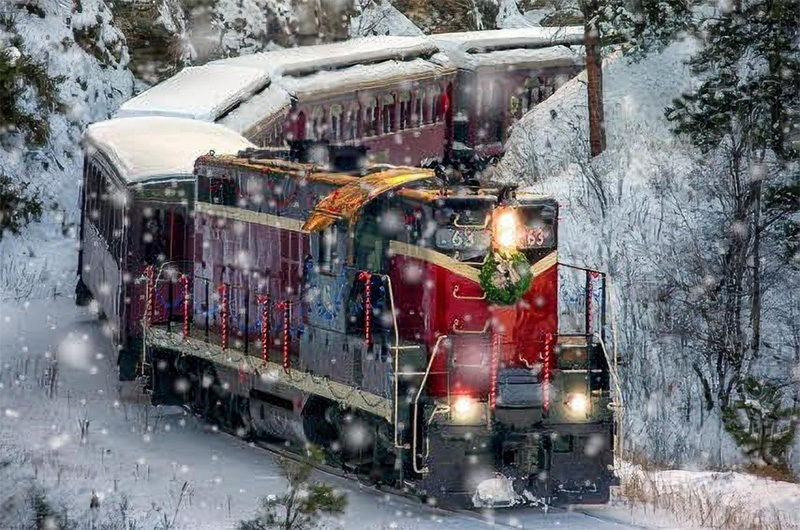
258 112
506 39
364 77
158 148
309 59
550 57
197 92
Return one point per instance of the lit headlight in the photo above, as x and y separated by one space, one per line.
506 229
578 404
466 410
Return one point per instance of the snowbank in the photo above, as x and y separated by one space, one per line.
509 16
95 82
712 499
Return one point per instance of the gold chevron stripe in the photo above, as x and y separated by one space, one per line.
543 264
248 216
457 267
437 258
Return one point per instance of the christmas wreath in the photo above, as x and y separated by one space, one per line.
505 277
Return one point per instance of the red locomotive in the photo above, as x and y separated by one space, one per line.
405 320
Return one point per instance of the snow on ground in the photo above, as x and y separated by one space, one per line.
736 500
148 453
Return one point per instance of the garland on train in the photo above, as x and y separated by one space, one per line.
505 277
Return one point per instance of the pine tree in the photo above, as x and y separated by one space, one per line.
305 503
17 206
20 78
759 423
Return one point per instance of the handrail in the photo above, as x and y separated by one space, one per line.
457 328
457 288
396 361
416 405
473 226
619 405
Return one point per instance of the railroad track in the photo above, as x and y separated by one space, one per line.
412 499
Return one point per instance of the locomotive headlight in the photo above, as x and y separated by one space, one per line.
506 229
466 410
578 404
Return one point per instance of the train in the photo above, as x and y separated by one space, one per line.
409 321
407 99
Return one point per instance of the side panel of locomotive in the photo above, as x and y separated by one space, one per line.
281 297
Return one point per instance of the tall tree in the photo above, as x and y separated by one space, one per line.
740 115
641 26
594 75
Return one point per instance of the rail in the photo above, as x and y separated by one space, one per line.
415 421
396 372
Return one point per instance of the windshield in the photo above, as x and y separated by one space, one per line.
463 227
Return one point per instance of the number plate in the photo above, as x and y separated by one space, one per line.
462 238
538 236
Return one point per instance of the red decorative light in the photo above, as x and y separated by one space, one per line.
495 367
265 331
366 276
547 372
150 296
186 302
224 314
286 307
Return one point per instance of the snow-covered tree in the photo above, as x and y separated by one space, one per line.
760 423
738 117
28 93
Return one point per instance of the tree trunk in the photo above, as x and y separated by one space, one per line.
594 76
755 307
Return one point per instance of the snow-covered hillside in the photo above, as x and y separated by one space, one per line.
90 54
643 212
380 17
